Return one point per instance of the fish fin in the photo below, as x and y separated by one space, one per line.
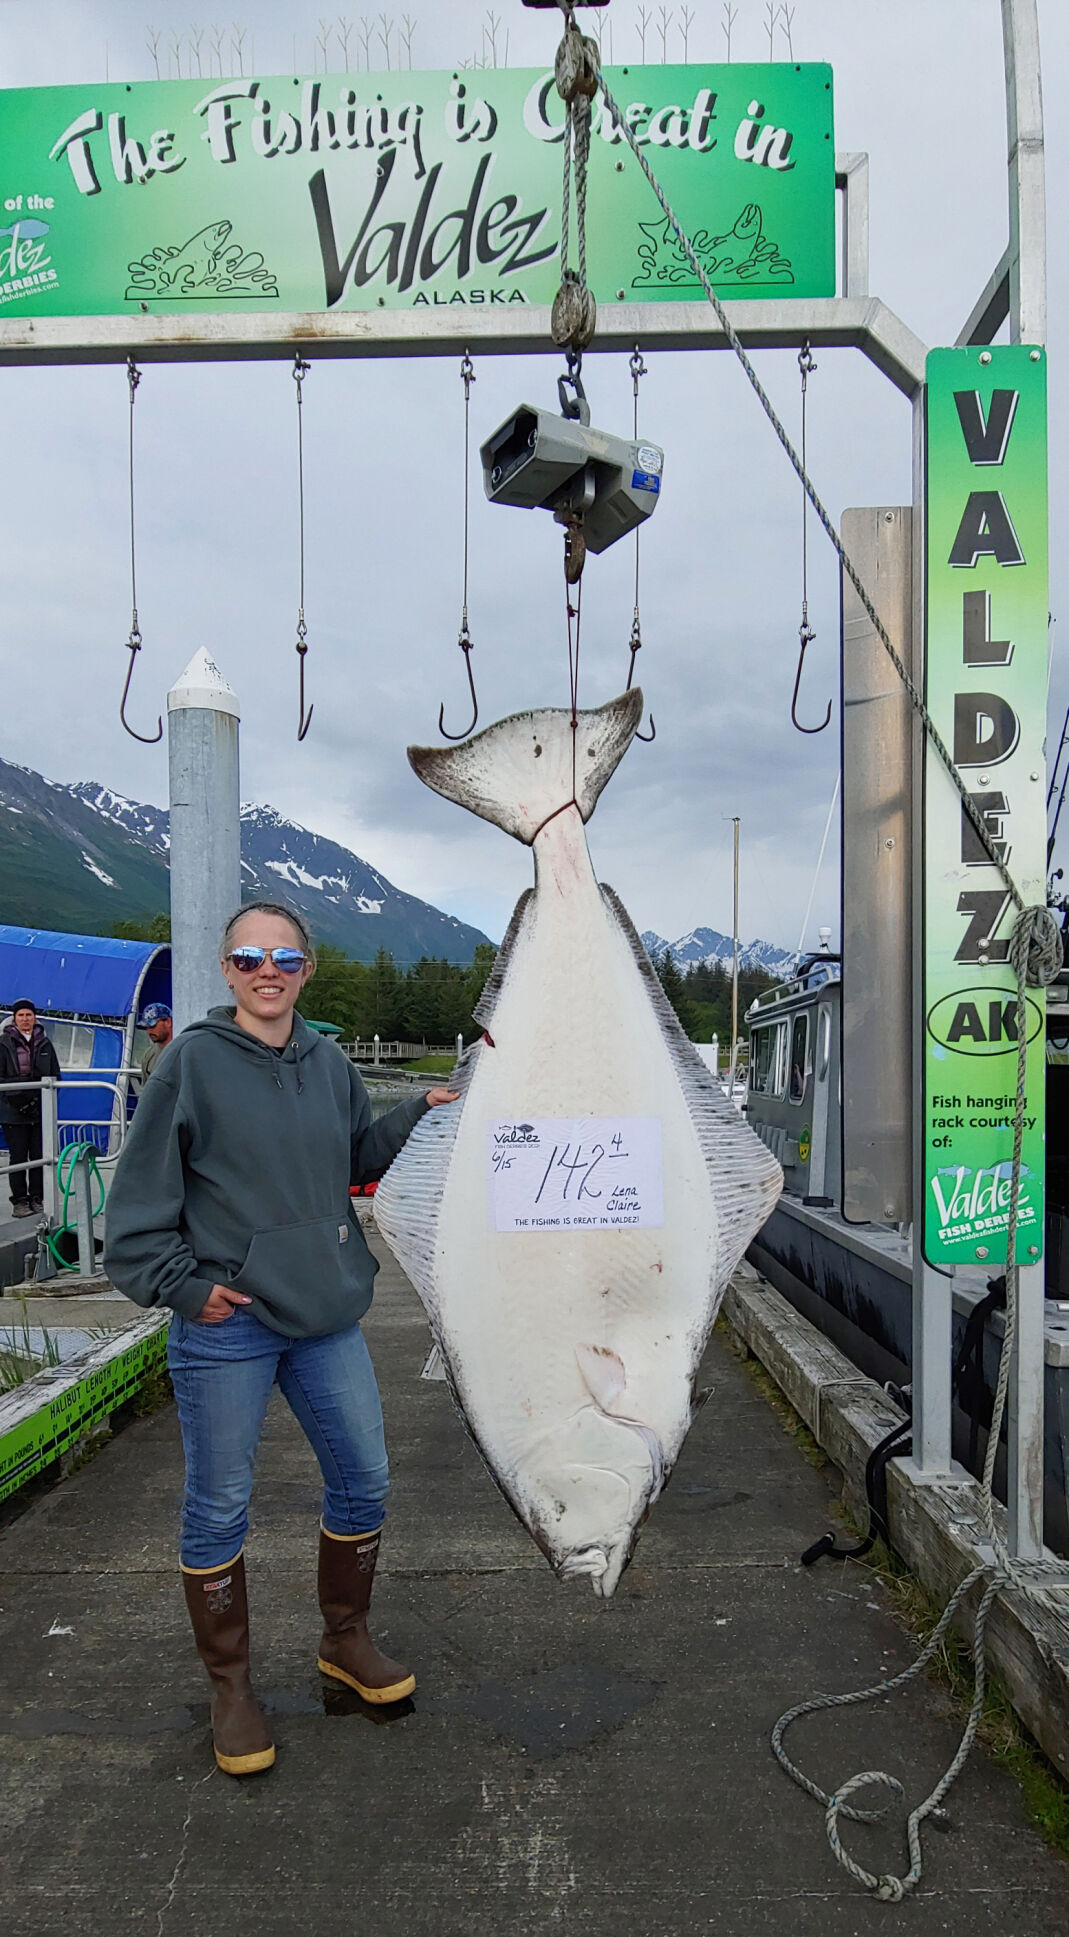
744 1176
522 770
604 1374
409 1196
487 1003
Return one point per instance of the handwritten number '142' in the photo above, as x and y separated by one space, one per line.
578 1163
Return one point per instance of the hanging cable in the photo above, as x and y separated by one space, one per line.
464 638
304 720
806 635
637 367
134 642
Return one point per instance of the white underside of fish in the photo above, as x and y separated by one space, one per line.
572 1352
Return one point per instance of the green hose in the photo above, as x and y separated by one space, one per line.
69 1158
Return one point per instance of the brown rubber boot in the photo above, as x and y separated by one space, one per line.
219 1612
346 1572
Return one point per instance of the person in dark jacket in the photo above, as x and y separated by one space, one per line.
26 1055
230 1206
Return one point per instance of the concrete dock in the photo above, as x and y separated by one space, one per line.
566 1764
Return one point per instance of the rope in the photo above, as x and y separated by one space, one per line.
968 804
1035 954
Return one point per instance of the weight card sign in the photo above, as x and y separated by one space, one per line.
593 1173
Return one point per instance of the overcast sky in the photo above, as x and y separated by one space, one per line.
919 85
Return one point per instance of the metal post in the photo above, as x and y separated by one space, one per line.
375 1055
735 965
1024 142
877 755
83 1217
933 1306
1024 1420
50 1146
202 744
460 1045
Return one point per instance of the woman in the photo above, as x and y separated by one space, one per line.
26 1055
230 1205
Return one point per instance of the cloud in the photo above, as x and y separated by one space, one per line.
216 501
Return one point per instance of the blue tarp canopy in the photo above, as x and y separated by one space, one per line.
85 975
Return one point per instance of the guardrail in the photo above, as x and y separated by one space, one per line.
103 1135
372 1049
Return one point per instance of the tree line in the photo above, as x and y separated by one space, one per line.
432 1000
701 996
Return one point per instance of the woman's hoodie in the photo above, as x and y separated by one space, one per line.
236 1171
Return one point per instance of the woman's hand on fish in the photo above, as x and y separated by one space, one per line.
221 1305
434 1097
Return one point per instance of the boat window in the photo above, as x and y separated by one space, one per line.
73 1043
799 1056
762 1059
779 1078
823 1043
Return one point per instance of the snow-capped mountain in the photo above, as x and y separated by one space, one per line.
85 856
709 945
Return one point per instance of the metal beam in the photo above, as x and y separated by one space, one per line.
1027 185
852 177
990 309
863 323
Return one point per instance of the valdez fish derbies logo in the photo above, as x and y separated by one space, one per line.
518 1133
25 256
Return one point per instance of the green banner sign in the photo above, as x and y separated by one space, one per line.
987 692
401 190
37 1442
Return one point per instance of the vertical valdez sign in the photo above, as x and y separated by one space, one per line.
986 689
401 190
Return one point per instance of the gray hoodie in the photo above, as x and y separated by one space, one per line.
236 1171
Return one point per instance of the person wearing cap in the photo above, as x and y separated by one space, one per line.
26 1055
158 1023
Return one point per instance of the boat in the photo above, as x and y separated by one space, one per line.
852 1280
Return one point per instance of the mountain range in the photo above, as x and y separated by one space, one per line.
709 945
83 857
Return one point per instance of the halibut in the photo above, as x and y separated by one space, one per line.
571 1223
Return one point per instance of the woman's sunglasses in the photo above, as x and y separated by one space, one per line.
289 961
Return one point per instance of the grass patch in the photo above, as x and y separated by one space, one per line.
20 1359
1001 1733
776 1400
429 1065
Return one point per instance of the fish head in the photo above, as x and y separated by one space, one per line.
524 769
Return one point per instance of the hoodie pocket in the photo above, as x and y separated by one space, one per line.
309 1278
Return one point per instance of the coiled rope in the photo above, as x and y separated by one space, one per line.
1035 954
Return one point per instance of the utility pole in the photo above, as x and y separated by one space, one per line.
735 964
202 751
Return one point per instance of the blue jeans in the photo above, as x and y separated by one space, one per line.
223 1376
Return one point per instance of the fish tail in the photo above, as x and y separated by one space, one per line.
522 770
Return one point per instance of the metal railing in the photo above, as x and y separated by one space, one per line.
105 1133
372 1049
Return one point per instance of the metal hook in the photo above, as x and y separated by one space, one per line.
304 719
146 739
651 735
465 642
806 635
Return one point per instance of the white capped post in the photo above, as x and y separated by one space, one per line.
202 757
